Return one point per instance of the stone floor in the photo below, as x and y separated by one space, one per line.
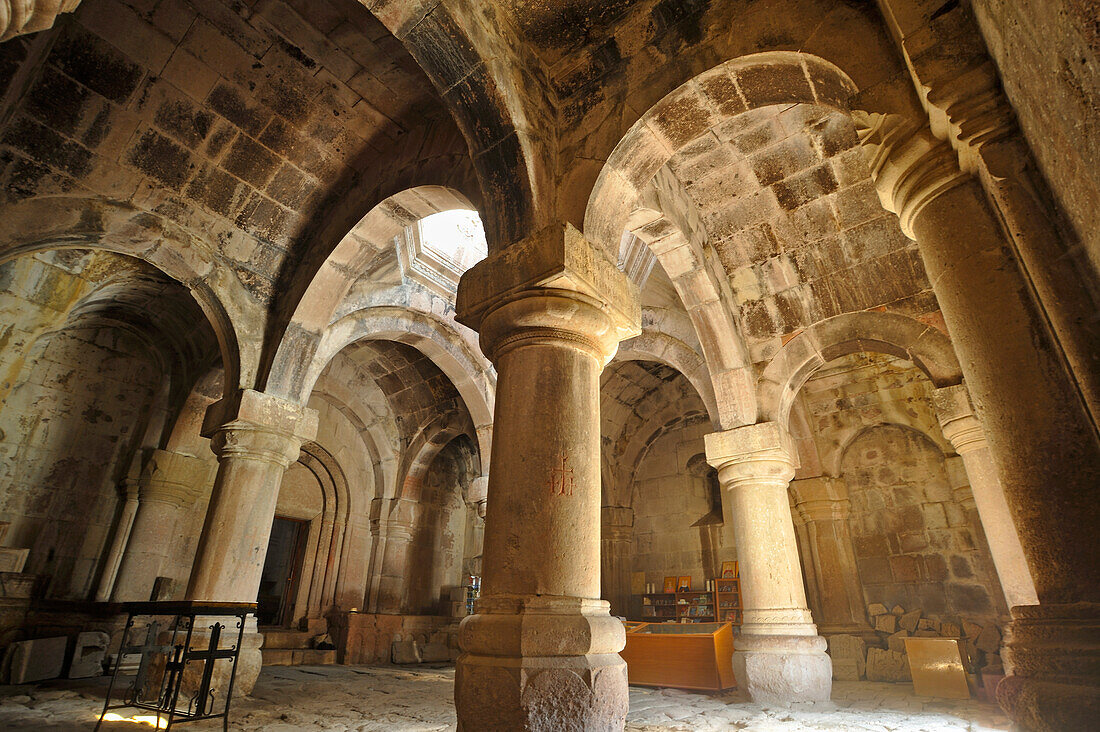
365 699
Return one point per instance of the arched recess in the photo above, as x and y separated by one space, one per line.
424 448
40 224
469 372
371 238
325 560
927 347
663 348
630 195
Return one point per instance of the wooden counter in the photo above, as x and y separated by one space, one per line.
681 655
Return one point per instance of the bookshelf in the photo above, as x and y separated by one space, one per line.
728 594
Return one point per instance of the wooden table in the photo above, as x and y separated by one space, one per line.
681 655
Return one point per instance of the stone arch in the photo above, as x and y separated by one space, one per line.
899 335
438 340
40 224
833 460
623 199
325 552
663 348
371 237
424 448
496 118
736 86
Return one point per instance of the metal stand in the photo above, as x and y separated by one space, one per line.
159 679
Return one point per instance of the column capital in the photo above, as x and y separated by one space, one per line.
31 16
256 426
909 165
554 284
479 490
173 478
956 415
757 453
822 498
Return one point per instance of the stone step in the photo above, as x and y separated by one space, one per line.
297 657
279 638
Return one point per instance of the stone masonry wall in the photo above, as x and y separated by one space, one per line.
668 498
75 400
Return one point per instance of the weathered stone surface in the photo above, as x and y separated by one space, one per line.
88 654
896 642
849 655
909 620
989 640
406 651
34 660
885 665
886 623
875 609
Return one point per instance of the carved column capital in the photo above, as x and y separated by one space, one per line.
909 165
553 287
759 455
256 426
30 16
173 478
956 414
617 524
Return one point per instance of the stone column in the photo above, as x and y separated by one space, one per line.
779 657
542 651
822 504
120 539
965 434
1045 448
617 533
256 437
31 16
168 487
397 534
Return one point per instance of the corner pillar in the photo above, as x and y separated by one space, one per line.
616 535
397 533
168 488
779 657
1041 438
542 651
823 506
256 437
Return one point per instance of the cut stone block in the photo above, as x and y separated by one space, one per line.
435 653
887 666
405 651
909 620
928 624
875 609
950 630
897 610
849 654
972 630
886 623
896 642
35 660
88 654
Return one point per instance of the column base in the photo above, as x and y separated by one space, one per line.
779 669
1052 656
541 664
248 664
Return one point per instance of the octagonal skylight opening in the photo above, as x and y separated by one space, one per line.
439 248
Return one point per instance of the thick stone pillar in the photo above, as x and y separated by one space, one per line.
616 535
397 533
822 504
256 437
779 657
965 434
168 487
542 651
1040 435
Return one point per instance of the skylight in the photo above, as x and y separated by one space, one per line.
439 248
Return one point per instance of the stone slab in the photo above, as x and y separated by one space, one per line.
35 660
88 654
